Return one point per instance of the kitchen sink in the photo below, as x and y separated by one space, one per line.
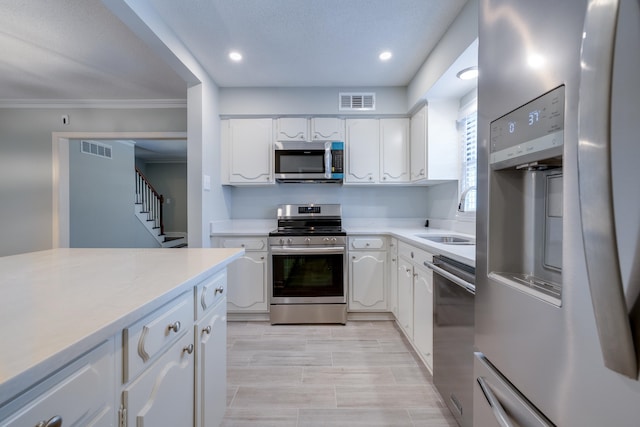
447 239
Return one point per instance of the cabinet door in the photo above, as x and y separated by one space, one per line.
82 394
394 150
423 314
419 145
327 129
367 274
164 394
405 297
211 366
247 283
292 129
362 150
393 276
250 151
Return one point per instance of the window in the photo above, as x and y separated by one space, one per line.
467 129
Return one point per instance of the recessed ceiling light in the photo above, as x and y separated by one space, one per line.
385 56
468 73
235 56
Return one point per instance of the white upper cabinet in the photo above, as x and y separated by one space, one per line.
327 129
247 146
419 145
292 129
362 150
394 150
434 142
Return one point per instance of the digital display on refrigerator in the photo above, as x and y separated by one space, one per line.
533 128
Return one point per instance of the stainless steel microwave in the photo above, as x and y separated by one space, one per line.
309 161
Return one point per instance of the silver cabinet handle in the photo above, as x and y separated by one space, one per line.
188 349
55 421
218 290
207 330
596 192
496 407
175 326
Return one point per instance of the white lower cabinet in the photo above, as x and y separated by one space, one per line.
248 275
393 276
423 314
415 300
405 296
211 366
163 394
367 273
81 394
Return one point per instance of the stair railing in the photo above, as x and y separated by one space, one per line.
150 199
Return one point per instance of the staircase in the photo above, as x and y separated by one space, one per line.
148 209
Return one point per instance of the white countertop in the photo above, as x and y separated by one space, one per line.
58 304
403 229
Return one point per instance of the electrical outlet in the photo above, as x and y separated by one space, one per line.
65 119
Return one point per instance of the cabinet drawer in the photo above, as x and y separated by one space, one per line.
209 292
416 255
155 332
248 243
372 243
81 394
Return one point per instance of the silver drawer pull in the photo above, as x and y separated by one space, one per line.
188 349
207 330
53 422
218 290
175 326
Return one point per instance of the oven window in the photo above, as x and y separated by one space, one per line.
295 161
308 275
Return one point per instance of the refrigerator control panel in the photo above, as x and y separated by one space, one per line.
532 132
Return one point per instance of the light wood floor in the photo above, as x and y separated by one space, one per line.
361 374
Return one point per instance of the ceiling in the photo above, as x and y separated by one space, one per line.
77 49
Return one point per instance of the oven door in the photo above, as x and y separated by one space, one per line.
308 275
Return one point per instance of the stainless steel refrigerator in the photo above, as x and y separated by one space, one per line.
558 239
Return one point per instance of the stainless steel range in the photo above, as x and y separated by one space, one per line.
308 265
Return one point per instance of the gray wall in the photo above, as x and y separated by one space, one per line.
26 162
101 199
170 180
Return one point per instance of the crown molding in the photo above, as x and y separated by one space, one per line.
93 103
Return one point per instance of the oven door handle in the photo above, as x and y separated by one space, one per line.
324 250
452 277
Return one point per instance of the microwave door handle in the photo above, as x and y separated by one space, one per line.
595 189
327 161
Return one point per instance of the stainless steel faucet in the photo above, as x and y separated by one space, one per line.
463 198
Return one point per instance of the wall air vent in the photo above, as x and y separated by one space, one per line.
95 148
357 101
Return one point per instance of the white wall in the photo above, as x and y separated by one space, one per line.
310 100
462 32
357 202
26 184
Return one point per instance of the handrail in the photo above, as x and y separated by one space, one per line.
150 200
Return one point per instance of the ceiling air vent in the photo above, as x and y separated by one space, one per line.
95 148
357 101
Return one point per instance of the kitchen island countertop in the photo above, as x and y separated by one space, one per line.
57 304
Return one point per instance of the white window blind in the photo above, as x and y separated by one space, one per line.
467 126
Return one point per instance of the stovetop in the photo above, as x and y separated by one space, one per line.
309 232
309 220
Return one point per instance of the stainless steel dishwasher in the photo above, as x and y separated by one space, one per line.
453 320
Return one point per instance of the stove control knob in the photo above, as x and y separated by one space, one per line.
282 241
326 239
289 240
334 239
307 239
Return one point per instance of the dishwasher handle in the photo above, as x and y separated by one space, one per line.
452 277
